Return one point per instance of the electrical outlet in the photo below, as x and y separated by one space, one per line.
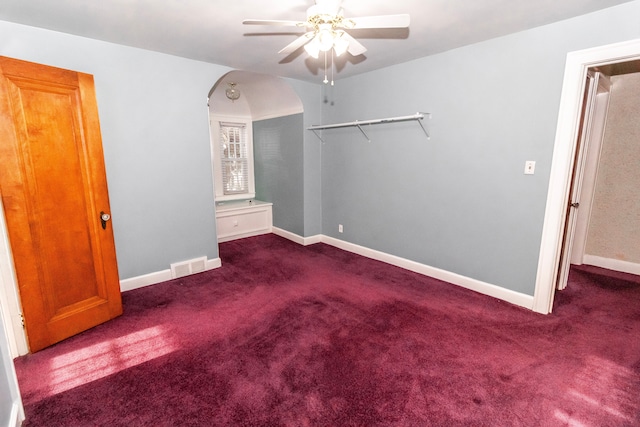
340 229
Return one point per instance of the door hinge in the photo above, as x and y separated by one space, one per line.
22 320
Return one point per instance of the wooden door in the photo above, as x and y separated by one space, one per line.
54 189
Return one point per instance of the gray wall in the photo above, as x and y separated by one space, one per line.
312 163
460 201
278 153
154 121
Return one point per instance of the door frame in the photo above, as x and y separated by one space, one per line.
573 87
9 298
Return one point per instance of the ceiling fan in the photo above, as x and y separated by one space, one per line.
327 29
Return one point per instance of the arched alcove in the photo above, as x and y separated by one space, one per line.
272 113
261 96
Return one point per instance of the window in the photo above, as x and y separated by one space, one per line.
233 155
233 159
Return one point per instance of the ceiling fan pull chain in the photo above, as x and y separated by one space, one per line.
325 81
332 52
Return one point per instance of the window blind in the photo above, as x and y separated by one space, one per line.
234 158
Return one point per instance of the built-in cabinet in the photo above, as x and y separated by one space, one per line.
243 218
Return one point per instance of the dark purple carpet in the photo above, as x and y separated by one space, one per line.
284 335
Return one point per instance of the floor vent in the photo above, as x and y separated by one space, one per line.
185 268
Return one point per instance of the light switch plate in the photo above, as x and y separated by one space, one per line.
529 167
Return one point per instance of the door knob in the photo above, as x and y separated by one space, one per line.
104 217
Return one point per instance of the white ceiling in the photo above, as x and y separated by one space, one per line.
212 30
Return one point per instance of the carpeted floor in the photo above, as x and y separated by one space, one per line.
284 335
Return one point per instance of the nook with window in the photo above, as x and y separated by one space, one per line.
238 214
255 121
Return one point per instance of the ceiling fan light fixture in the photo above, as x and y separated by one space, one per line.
312 48
232 93
340 44
325 37
326 28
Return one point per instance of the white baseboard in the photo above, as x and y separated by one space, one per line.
499 292
159 276
304 241
612 264
495 291
244 235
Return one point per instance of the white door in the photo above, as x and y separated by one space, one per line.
592 153
585 135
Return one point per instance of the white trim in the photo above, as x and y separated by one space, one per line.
251 233
495 291
159 276
612 264
563 157
9 295
304 241
215 121
17 415
145 280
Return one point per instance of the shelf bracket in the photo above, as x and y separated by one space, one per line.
363 132
423 128
316 133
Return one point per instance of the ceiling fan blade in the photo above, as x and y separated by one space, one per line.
297 43
273 22
382 21
355 47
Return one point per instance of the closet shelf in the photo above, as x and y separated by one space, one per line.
359 123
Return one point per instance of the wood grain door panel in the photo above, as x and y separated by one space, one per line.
53 194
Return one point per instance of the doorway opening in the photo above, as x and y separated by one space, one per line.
611 59
606 233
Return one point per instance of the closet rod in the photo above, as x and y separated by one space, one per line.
417 116
359 123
